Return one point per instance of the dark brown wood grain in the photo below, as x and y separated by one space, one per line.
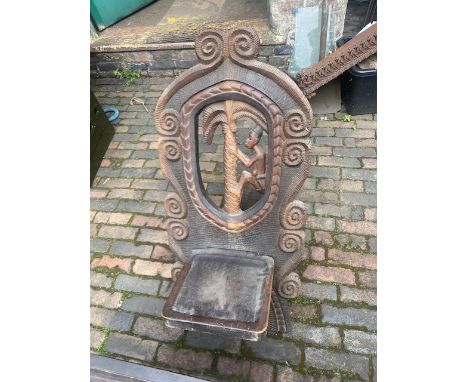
229 79
353 52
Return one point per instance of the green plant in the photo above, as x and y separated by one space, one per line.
128 75
301 300
346 118
100 349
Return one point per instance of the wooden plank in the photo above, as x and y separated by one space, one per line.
354 51
105 369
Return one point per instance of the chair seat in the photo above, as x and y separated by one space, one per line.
222 292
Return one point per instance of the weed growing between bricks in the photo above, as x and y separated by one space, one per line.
333 333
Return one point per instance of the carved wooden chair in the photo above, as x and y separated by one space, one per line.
236 263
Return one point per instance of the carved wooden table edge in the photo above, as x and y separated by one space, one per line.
353 52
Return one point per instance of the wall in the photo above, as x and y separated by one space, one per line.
173 59
283 23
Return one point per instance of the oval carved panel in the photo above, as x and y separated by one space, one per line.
232 103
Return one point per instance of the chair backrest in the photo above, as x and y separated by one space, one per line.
226 85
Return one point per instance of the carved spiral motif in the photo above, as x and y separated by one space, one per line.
209 46
295 125
174 206
171 149
295 153
177 229
169 123
290 286
244 43
294 216
291 241
176 269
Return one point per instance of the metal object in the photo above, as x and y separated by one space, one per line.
357 49
104 13
138 101
227 84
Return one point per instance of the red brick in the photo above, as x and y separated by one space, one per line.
369 163
249 370
125 193
148 221
286 374
133 163
155 222
133 146
118 154
358 295
119 218
139 220
115 182
184 358
156 195
323 238
98 194
104 298
326 184
351 185
149 184
321 150
117 232
366 143
162 253
368 278
112 217
317 253
152 163
112 262
121 129
106 163
319 222
361 228
102 217
152 236
93 229
152 268
330 274
353 259
370 214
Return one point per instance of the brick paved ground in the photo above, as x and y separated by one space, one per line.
333 335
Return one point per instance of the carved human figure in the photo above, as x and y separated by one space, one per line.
225 115
257 162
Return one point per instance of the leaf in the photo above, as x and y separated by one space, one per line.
346 118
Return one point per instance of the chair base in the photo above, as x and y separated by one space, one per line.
223 292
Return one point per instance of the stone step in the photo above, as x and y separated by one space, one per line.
104 369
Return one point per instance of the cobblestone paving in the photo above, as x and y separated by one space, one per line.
333 336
